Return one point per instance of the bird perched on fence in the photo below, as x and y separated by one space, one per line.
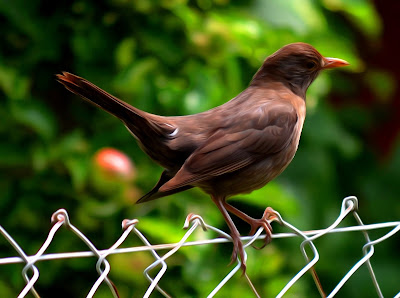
232 149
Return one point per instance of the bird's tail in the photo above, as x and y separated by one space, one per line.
137 121
98 96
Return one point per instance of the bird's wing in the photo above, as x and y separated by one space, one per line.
155 194
256 135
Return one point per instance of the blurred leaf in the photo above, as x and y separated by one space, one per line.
92 40
300 17
79 170
125 52
132 79
164 231
6 289
100 209
40 157
162 47
326 130
36 116
362 13
71 144
275 196
12 84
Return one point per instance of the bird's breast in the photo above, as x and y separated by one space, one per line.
260 172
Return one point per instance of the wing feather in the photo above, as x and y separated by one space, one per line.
267 131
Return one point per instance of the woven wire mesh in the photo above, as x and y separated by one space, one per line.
30 272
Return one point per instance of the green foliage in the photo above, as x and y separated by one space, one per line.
174 58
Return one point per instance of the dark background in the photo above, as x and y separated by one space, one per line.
180 57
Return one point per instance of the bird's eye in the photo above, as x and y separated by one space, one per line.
311 65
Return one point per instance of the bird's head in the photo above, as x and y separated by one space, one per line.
295 65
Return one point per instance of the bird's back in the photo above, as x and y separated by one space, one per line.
241 145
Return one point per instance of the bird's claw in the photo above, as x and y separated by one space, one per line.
238 249
265 223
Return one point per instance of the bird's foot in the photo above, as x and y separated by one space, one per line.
265 223
238 249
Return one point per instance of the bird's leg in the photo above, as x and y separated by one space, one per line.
237 243
255 223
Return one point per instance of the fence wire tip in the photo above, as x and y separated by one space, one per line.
59 216
191 218
350 201
126 223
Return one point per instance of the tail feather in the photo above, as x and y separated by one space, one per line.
138 122
98 96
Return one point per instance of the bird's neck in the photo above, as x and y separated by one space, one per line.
266 76
271 82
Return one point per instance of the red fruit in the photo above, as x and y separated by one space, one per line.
114 163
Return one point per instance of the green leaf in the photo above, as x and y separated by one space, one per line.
125 52
36 116
13 85
79 171
362 13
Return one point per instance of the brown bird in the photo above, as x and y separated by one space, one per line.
232 149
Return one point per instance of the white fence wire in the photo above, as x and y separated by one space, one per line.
60 218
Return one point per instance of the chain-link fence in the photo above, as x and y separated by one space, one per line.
60 218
